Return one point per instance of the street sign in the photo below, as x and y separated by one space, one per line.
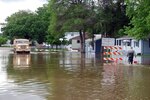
108 41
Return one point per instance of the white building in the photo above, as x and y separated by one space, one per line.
70 35
140 46
88 43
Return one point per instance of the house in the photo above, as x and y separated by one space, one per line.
76 42
140 46
70 35
97 44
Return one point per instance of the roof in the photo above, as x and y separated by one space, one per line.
70 35
66 33
124 38
96 37
78 37
21 39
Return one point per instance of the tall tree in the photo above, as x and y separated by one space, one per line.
29 25
139 13
71 15
111 17
19 25
43 19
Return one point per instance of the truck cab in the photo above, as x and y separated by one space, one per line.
21 46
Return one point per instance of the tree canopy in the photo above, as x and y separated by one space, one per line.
70 15
27 24
3 40
112 18
139 13
19 25
105 16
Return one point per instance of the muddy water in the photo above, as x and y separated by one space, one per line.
70 76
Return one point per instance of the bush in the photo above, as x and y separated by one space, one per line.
3 40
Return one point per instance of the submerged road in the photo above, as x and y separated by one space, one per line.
70 76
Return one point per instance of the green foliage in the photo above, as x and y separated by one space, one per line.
3 40
139 13
43 18
68 15
19 25
50 22
111 18
29 25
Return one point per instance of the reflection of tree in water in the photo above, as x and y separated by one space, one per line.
24 74
76 77
82 61
114 86
38 66
81 82
40 77
139 82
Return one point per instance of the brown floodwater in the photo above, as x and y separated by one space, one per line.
70 76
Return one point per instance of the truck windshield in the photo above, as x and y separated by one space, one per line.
22 42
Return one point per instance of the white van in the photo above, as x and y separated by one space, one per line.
21 46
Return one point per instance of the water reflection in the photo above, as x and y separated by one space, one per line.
70 76
25 78
113 83
144 60
138 60
21 60
76 61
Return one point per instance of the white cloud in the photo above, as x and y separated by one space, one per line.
8 7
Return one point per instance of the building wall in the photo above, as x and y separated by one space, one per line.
88 47
140 46
98 46
137 45
75 44
146 47
69 35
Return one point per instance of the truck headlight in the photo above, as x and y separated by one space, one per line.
18 47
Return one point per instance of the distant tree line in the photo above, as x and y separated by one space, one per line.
27 24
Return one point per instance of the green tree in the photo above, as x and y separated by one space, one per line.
111 17
19 25
105 17
43 16
139 13
29 25
2 40
71 15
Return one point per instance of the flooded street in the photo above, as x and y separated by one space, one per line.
70 76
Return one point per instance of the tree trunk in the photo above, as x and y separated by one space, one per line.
93 41
82 39
83 51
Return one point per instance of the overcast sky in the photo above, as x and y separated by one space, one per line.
8 7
